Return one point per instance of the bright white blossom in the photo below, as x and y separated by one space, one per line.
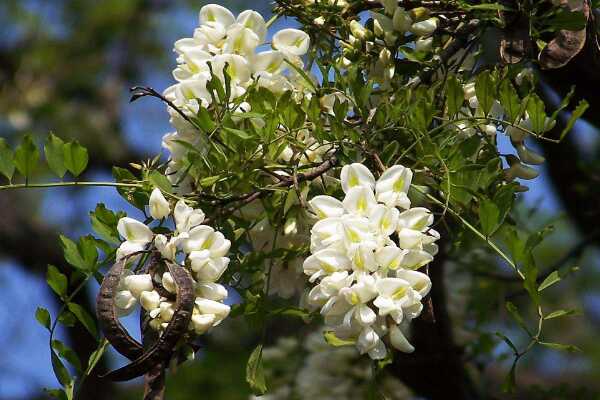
201 247
366 249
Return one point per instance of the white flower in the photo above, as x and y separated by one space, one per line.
211 291
219 310
325 262
168 282
126 248
369 342
326 207
125 302
392 187
356 175
398 340
202 322
167 247
252 20
241 40
186 217
138 284
291 42
359 200
270 61
150 300
214 14
134 231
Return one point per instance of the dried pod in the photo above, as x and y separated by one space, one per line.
162 350
566 44
112 329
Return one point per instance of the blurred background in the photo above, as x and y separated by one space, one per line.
66 66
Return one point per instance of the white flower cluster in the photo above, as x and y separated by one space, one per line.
368 285
226 44
201 247
390 26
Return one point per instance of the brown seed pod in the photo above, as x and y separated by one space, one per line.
162 350
112 329
566 44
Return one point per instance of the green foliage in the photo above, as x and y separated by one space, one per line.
255 375
26 157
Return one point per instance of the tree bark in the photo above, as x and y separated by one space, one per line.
436 369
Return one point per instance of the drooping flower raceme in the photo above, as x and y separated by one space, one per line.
366 250
225 44
203 251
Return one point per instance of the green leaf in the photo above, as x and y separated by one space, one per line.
335 341
455 95
567 20
96 356
82 255
57 281
55 155
562 347
84 317
561 313
67 318
255 374
575 115
61 372
537 114
508 342
204 120
7 160
160 181
510 101
76 158
67 354
550 280
26 156
485 90
512 309
43 317
104 223
237 132
489 216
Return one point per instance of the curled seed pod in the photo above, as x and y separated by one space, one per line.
566 44
112 329
162 350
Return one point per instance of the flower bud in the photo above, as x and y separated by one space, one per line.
167 310
150 300
425 28
490 129
138 284
159 206
358 31
518 170
202 323
125 302
169 283
527 156
419 13
399 341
